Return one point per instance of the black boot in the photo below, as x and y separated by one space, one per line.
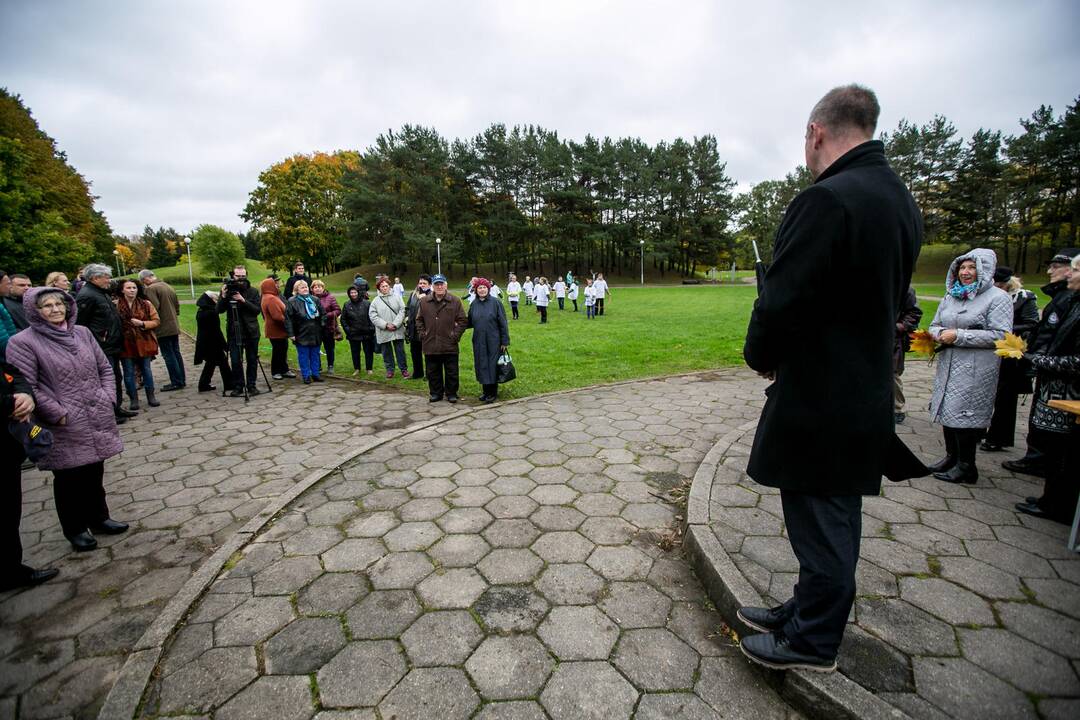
133 403
947 462
964 471
151 400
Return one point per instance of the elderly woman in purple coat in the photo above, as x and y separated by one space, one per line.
74 389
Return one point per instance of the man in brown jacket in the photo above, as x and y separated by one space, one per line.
163 298
440 322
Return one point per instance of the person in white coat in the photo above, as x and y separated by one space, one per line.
387 314
527 288
513 294
560 292
542 297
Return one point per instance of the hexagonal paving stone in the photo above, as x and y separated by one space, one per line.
331 593
431 487
287 575
446 637
636 605
431 694
507 668
459 550
578 633
253 621
570 584
422 509
656 660
412 536
304 646
287 698
361 674
508 609
608 531
511 533
557 519
512 486
440 469
385 499
906 627
947 601
563 547
312 541
509 566
621 562
512 506
400 570
375 524
208 681
353 554
470 497
474 476
465 520
512 710
588 691
458 588
383 614
963 690
674 706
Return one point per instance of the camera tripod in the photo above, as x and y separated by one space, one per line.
236 333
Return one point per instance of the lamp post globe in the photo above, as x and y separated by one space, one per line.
642 243
438 253
191 274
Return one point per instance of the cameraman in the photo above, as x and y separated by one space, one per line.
238 294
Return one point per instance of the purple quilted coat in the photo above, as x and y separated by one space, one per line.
71 379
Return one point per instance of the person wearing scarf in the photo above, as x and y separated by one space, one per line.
304 319
138 318
972 315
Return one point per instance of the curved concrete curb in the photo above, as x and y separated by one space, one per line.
134 677
820 696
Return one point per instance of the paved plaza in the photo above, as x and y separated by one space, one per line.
351 552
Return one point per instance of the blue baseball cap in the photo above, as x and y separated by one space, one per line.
438 279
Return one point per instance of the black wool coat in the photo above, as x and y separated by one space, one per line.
209 340
487 318
98 313
849 243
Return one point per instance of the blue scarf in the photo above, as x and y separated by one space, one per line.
310 306
964 292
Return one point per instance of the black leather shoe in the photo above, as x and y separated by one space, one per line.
110 527
451 399
120 419
962 473
1033 509
989 446
946 463
1025 467
209 388
765 620
237 392
489 399
1030 500
28 578
774 651
434 398
899 418
83 542
316 378
253 391
121 412
170 387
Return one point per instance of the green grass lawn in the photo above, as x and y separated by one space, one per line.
645 332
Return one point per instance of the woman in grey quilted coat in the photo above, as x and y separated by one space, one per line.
972 315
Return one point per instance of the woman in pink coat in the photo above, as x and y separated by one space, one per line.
74 390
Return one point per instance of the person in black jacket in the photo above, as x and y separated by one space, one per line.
242 330
98 312
298 274
1013 380
423 290
13 299
1040 339
359 330
210 344
826 434
906 323
1057 369
16 403
304 319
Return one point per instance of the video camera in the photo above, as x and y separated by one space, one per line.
234 285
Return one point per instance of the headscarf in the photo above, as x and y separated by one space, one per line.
311 306
482 281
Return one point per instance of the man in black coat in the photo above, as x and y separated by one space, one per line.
98 313
826 434
298 274
244 306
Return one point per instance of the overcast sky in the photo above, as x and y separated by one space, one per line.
171 109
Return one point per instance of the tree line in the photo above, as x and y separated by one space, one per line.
523 198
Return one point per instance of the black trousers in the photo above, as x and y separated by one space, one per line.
492 390
1003 425
80 497
416 349
11 459
543 313
514 308
562 303
442 374
114 363
279 356
365 344
824 533
599 306
1062 488
220 363
250 348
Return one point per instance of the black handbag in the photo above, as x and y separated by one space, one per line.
504 369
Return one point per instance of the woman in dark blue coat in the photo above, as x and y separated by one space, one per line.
490 338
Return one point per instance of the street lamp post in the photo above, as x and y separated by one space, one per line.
190 273
642 243
116 259
438 253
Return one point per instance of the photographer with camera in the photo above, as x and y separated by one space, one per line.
243 304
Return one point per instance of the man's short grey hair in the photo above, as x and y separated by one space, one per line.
145 274
94 270
848 107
